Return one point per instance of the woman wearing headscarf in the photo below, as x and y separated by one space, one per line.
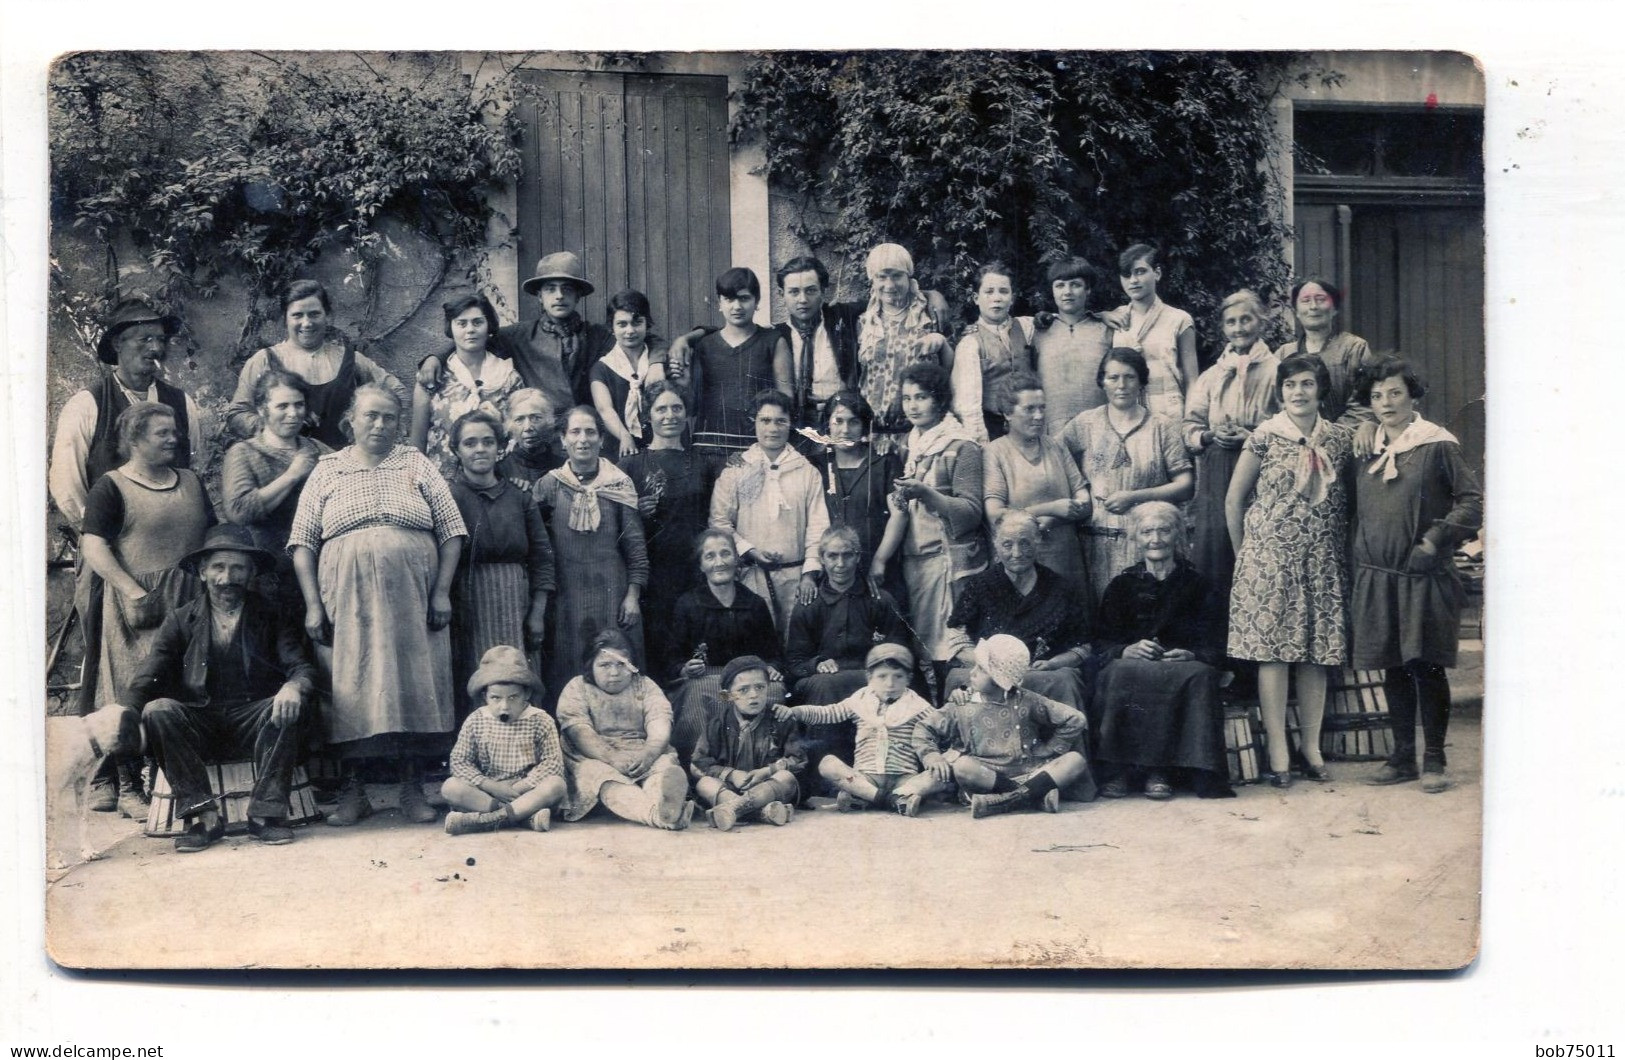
895 331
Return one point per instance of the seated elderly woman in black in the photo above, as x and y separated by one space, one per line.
1160 638
1019 596
711 625
830 638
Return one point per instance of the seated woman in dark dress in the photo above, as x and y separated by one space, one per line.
719 621
1161 639
1021 597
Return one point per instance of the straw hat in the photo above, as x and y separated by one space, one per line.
502 665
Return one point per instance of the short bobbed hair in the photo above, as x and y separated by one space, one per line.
1387 368
1124 355
458 306
1304 362
934 380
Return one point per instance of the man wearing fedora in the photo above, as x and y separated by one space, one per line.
133 345
229 677
553 352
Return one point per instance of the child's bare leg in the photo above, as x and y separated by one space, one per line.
974 776
767 798
709 789
544 796
1066 769
461 795
908 794
848 779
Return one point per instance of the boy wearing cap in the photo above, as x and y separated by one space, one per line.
886 768
748 758
507 768
1004 746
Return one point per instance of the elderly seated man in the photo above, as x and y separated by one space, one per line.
228 677
1021 597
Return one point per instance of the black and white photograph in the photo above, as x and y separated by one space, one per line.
815 511
701 482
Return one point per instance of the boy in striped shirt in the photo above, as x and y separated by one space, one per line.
885 769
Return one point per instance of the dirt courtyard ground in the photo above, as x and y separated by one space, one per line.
1338 875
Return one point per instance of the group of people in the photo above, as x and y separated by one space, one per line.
842 553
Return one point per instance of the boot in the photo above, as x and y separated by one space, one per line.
461 823
414 806
132 798
778 813
998 802
352 804
104 787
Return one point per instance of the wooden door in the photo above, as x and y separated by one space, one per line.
1413 281
630 171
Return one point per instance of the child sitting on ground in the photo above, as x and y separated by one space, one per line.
1005 747
748 759
886 769
507 767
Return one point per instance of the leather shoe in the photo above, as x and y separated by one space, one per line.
1157 787
271 831
199 837
1116 788
1391 774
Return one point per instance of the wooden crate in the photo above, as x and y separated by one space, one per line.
232 784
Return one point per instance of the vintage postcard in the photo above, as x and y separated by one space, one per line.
844 446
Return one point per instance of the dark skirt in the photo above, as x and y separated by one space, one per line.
1210 536
1163 716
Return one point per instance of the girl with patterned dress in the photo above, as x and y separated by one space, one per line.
474 380
1287 511
1163 335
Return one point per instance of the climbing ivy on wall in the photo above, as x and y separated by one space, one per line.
969 156
255 165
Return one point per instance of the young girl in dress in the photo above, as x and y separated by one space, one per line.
992 349
474 380
1163 335
619 376
732 365
1288 600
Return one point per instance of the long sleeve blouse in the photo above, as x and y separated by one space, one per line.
505 526
1180 611
841 626
727 631
1052 618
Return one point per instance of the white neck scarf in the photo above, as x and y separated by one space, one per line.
1417 433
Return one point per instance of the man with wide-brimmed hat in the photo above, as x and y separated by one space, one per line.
229 677
134 344
553 352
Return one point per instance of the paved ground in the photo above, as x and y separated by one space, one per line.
1335 875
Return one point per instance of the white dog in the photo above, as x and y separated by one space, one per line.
73 762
